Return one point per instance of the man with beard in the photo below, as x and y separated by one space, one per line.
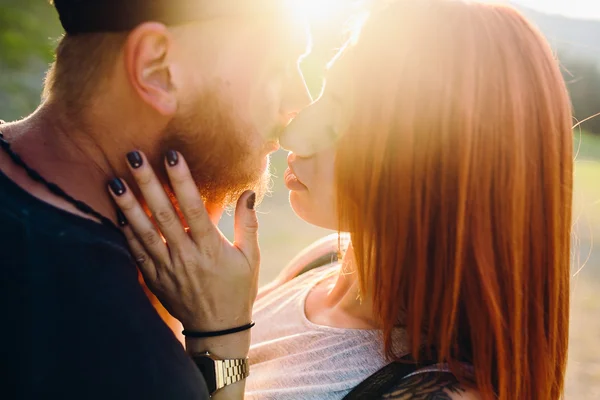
215 81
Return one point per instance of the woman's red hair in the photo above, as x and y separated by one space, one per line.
454 180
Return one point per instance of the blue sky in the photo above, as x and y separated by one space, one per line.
571 8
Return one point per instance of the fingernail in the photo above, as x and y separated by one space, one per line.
135 159
121 219
117 186
251 201
172 158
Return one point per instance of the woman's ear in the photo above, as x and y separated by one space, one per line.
148 64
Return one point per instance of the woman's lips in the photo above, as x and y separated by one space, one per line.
292 182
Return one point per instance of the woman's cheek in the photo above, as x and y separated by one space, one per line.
315 208
325 188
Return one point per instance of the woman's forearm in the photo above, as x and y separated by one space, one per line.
235 346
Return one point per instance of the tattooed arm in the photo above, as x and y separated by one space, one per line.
431 386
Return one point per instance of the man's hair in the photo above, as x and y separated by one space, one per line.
82 63
86 53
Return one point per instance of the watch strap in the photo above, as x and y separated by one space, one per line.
231 371
219 373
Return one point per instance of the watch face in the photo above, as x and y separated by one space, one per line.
206 365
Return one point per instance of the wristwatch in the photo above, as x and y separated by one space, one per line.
220 373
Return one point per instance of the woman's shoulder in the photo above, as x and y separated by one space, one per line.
431 386
324 251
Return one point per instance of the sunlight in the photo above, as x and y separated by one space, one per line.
322 9
316 10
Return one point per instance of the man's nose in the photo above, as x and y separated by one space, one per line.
296 96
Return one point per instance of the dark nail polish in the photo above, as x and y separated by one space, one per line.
121 219
117 186
135 159
172 158
251 201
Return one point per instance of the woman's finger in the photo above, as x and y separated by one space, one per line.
157 200
190 202
246 228
139 222
141 257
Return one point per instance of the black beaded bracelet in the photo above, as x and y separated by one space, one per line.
200 335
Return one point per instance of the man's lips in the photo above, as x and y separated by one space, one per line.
272 146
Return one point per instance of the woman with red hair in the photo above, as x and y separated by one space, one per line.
442 144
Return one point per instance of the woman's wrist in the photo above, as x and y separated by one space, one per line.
223 332
225 347
236 345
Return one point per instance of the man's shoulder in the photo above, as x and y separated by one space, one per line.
36 232
431 386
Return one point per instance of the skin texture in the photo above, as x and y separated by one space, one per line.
311 139
334 302
395 215
196 276
212 90
219 91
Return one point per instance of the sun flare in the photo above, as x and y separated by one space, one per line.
317 9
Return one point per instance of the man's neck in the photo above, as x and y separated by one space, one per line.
79 161
64 154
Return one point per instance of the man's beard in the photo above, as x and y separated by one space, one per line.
217 148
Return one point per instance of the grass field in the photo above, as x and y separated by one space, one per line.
587 146
583 374
283 234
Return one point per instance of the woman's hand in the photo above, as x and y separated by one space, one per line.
202 279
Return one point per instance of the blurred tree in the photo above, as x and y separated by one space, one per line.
28 31
583 81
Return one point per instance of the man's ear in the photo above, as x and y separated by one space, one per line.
147 61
